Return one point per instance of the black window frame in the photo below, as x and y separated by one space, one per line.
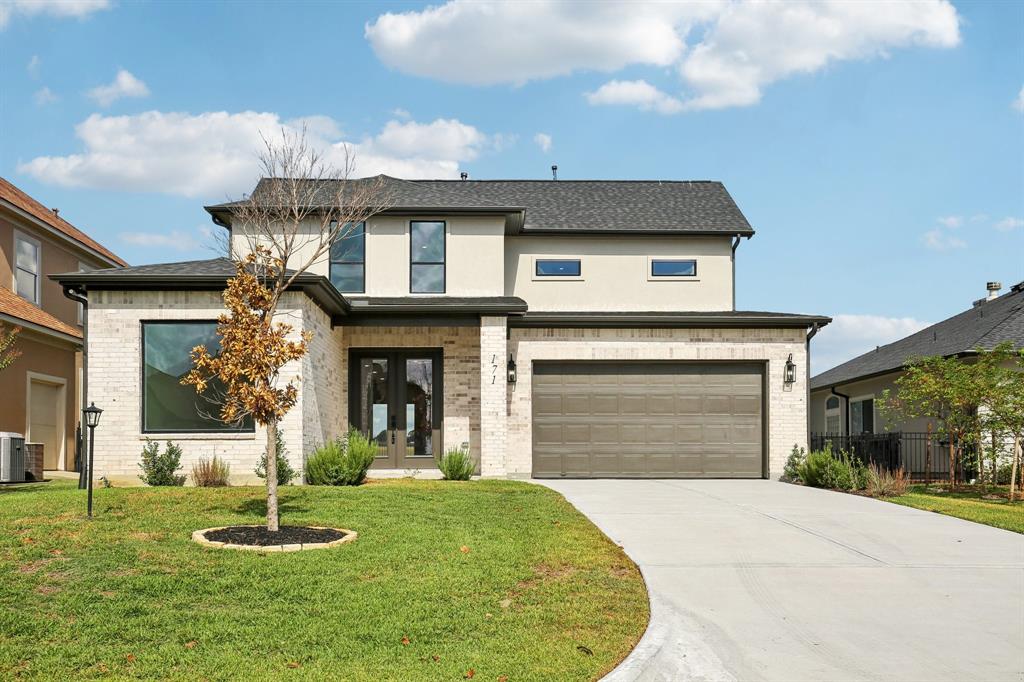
331 263
655 261
443 262
577 261
251 429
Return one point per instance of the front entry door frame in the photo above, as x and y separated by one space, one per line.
398 447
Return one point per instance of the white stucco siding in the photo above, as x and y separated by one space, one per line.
615 273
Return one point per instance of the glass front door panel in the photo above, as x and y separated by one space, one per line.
373 383
419 407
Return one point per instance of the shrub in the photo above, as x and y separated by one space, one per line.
456 464
812 470
884 483
826 469
211 473
341 461
285 472
791 472
161 469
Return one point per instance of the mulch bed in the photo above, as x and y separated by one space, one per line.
259 536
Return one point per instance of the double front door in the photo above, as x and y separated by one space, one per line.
397 400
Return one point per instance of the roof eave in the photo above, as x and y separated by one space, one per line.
599 320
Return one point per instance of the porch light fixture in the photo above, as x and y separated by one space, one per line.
92 420
789 376
511 370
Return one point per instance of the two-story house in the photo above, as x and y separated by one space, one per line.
39 393
556 328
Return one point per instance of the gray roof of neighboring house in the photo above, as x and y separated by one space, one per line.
983 326
566 206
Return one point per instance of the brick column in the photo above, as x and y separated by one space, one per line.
34 460
493 408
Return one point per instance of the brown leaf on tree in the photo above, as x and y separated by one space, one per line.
406 641
464 549
470 674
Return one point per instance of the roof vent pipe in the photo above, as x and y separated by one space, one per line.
554 172
464 175
993 289
56 212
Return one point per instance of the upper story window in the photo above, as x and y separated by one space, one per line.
426 256
26 267
551 267
348 259
664 267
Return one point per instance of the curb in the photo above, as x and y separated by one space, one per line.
199 536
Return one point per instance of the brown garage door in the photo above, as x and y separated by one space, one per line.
647 420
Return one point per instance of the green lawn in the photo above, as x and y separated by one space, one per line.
967 504
540 593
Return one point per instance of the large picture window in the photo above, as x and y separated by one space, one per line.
348 259
426 255
167 405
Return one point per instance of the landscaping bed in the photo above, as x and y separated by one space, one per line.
489 578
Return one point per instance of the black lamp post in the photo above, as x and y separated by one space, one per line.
511 370
92 420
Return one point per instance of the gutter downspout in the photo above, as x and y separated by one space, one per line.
78 294
807 375
847 410
735 245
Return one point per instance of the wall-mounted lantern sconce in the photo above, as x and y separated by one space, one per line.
789 376
511 370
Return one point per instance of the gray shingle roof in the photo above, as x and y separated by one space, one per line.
981 327
575 206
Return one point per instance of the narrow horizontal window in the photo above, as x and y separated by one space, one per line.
558 268
673 268
167 405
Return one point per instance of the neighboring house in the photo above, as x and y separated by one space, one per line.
555 328
39 393
845 400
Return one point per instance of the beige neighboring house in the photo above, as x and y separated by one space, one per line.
554 328
39 393
845 400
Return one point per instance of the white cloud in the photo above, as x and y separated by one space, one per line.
124 85
44 96
848 336
937 240
213 154
543 140
1009 223
54 8
735 48
640 94
33 66
951 221
175 240
461 42
401 113
1018 102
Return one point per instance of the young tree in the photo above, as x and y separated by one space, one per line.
944 389
1003 402
8 352
301 207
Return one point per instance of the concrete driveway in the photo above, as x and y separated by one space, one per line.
759 580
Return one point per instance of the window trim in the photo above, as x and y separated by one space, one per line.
443 263
550 259
555 278
331 263
142 386
651 277
19 235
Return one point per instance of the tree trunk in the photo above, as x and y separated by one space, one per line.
952 465
981 459
272 521
995 460
1013 469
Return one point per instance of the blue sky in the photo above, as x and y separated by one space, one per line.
878 149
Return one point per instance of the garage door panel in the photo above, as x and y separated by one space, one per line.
645 419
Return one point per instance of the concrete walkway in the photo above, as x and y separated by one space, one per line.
759 580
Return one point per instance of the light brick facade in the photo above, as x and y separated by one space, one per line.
480 407
787 404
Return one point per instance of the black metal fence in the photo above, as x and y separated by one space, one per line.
924 456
